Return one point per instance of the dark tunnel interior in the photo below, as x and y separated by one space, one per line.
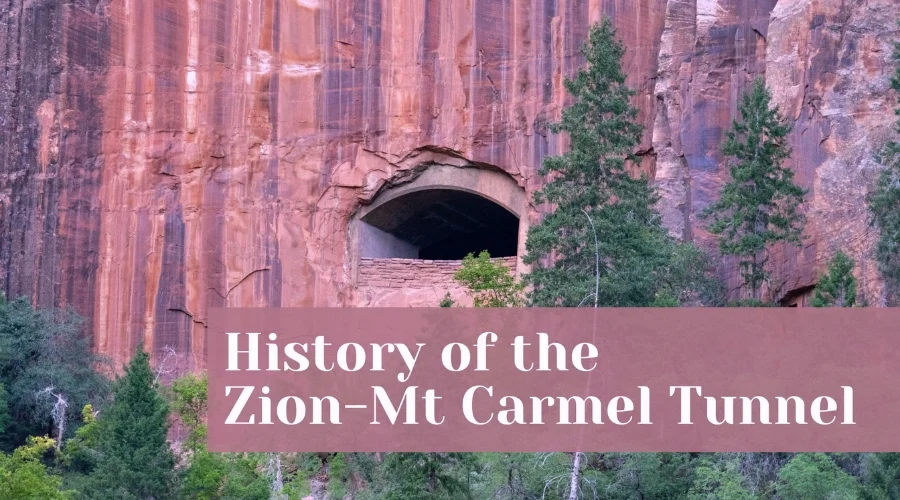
438 224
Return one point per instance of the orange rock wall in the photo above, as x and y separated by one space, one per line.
160 157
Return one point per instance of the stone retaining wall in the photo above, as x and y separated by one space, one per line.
413 273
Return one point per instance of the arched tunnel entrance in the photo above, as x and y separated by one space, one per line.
410 240
439 224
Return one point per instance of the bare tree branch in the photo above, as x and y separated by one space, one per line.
168 364
58 413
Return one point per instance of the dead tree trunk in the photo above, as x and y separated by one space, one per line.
573 480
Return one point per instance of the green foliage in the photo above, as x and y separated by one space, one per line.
224 475
687 279
23 476
649 475
884 204
188 401
447 301
882 479
589 189
412 476
516 476
506 476
80 452
758 206
490 283
837 287
40 349
611 476
664 298
718 477
338 476
751 303
135 460
357 473
602 226
211 475
884 201
814 476
299 469
5 417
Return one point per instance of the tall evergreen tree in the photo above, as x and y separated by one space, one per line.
602 220
135 459
759 204
837 287
884 201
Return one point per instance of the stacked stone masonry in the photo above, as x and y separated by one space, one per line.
414 273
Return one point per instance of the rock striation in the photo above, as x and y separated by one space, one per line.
158 158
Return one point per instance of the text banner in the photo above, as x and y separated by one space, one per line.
329 379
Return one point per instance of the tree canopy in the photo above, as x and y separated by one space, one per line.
135 458
759 205
837 287
601 241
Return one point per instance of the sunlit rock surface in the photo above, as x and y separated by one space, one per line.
160 158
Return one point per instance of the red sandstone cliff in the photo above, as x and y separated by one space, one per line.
161 157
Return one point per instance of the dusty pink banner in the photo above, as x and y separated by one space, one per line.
829 377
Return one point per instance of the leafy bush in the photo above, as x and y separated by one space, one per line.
837 287
814 476
24 477
490 283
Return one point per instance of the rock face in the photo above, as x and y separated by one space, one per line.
160 158
826 63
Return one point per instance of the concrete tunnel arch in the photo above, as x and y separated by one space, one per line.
443 214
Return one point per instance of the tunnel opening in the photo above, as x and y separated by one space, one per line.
438 224
800 297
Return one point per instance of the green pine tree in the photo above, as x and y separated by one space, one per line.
837 287
884 202
602 218
758 206
135 459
